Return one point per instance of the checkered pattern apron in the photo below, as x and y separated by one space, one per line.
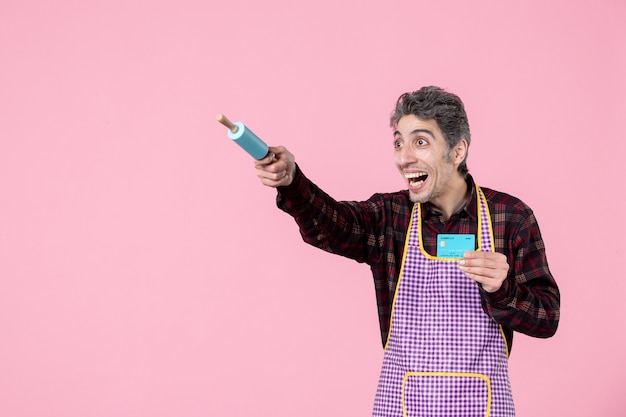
445 357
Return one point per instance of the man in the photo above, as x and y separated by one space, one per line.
457 268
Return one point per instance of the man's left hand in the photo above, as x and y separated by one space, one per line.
489 269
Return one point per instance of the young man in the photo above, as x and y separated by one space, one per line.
457 268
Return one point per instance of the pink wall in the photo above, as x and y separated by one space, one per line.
145 272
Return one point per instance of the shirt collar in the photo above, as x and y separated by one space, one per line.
469 209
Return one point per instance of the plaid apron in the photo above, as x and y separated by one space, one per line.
444 357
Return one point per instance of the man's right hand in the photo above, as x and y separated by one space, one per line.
277 168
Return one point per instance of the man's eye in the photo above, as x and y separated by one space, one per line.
422 142
397 144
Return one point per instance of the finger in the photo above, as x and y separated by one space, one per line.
477 254
497 271
484 258
271 182
269 159
271 175
271 166
477 263
488 281
478 271
492 261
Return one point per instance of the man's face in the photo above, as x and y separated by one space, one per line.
422 157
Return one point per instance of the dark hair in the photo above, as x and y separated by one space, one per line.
446 108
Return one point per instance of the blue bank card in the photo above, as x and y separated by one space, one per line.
454 246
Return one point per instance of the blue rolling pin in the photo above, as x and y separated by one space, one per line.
244 137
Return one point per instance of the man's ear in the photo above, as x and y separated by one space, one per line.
459 153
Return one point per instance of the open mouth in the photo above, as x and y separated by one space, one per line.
416 178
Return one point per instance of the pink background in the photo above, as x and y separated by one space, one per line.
144 271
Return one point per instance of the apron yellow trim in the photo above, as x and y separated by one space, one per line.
457 374
506 345
395 293
493 249
493 245
478 234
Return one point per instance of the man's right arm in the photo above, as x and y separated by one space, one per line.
343 228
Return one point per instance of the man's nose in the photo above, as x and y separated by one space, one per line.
406 156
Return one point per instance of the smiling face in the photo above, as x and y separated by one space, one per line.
430 169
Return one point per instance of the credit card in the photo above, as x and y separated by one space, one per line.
454 245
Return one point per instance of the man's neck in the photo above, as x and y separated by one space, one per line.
455 197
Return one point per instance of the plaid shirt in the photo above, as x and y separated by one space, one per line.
374 232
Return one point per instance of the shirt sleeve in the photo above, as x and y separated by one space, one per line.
341 227
529 299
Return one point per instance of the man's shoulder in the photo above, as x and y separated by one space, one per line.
502 201
400 198
386 205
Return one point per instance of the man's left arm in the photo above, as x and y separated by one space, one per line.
524 296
